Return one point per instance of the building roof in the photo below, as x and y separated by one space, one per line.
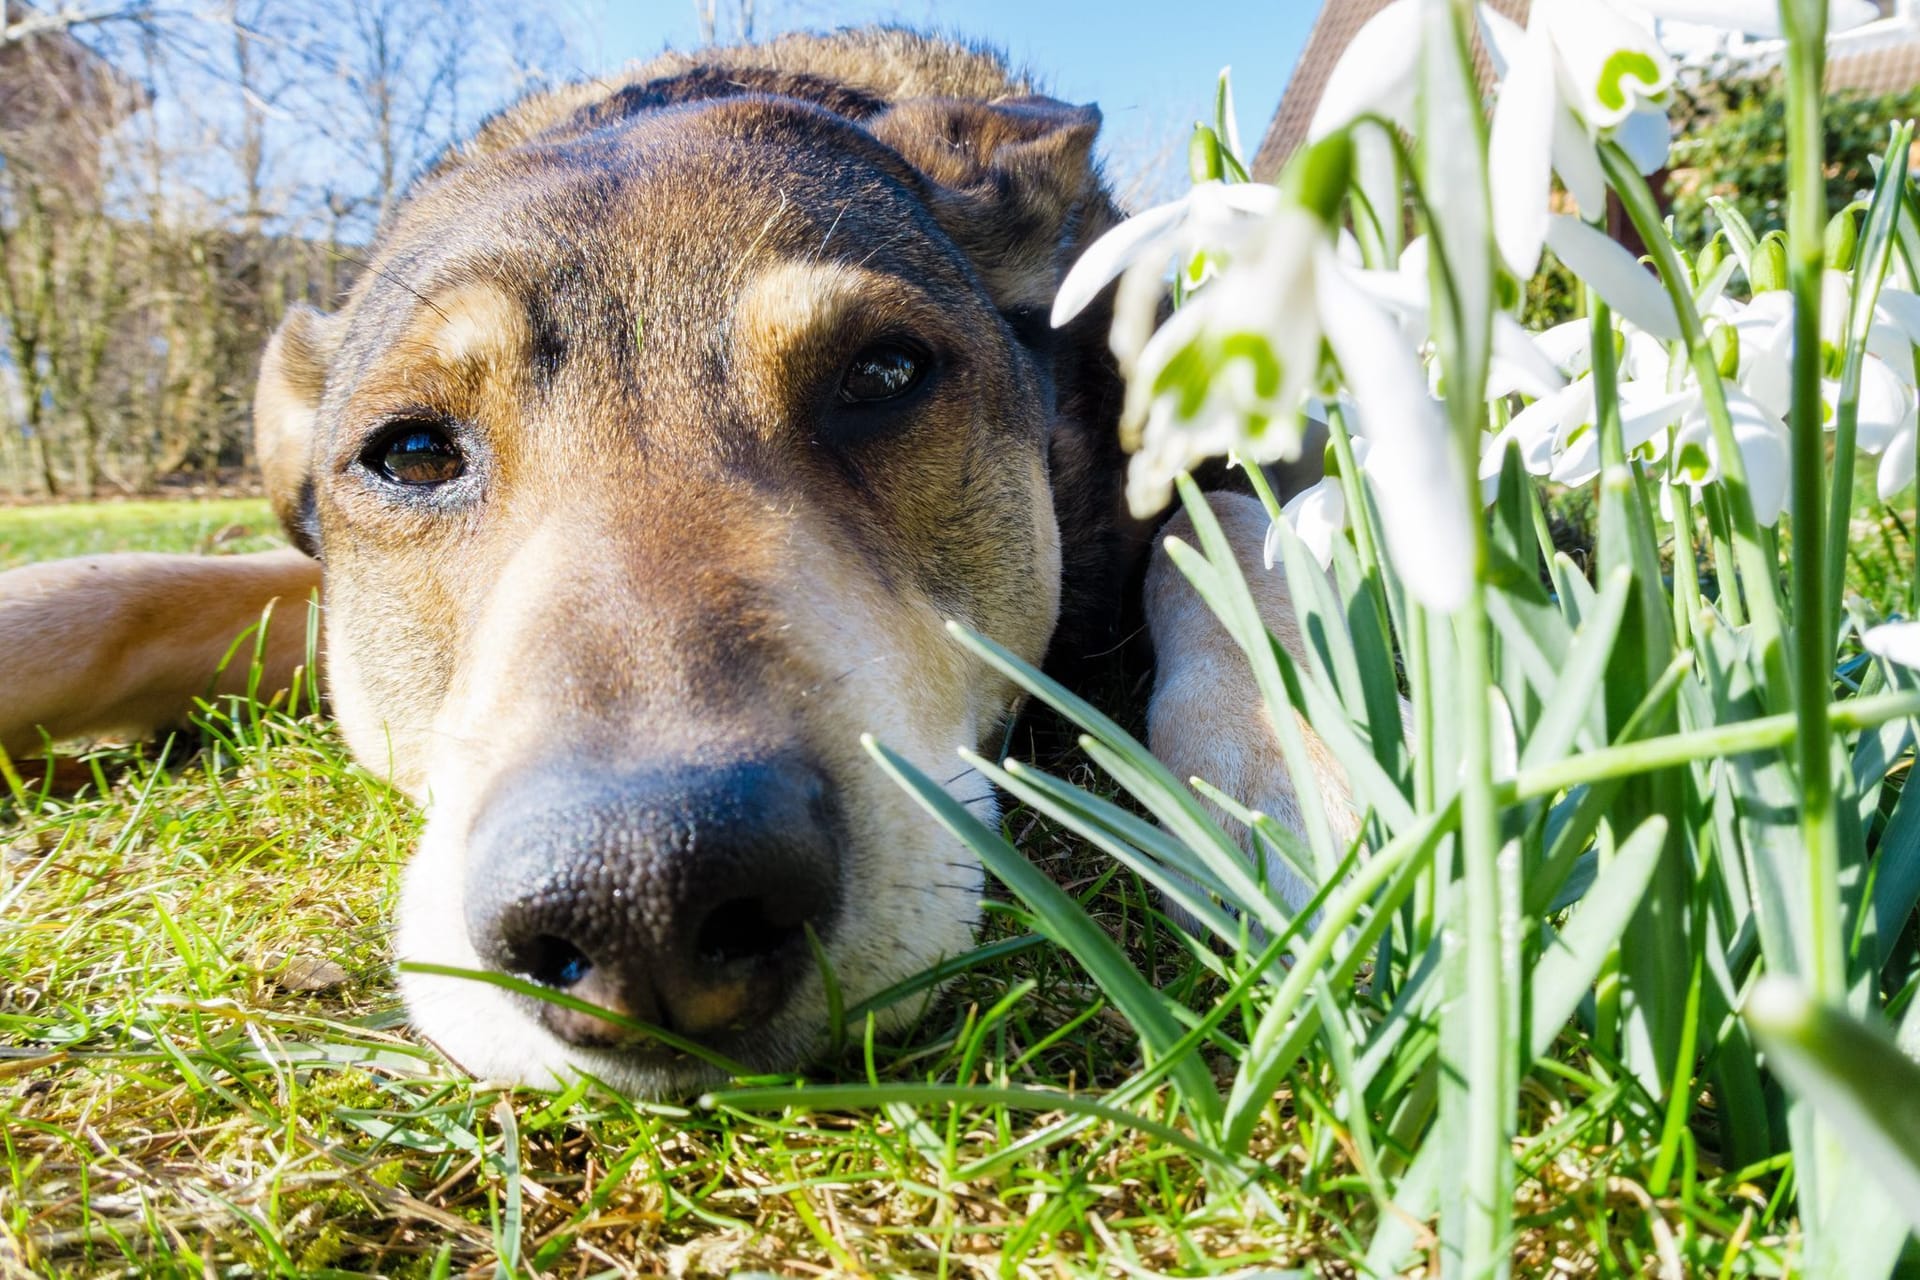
1333 31
1893 67
1881 58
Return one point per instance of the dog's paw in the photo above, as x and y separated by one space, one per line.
1207 718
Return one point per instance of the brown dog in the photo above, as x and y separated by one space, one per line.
672 420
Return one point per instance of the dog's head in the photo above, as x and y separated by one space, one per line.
665 429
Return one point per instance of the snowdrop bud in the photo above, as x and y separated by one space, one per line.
1710 257
1842 238
1724 339
1770 263
1318 176
1203 155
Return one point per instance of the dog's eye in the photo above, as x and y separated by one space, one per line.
883 371
416 453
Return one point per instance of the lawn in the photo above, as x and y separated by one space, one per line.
204 1070
215 524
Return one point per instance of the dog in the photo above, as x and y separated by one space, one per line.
639 473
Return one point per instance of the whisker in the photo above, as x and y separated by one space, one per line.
366 265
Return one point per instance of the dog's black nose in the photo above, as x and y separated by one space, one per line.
679 896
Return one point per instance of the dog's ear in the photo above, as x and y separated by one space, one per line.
1012 181
286 404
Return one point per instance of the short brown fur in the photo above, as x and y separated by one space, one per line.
672 544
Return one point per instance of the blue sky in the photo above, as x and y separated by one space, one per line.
1148 63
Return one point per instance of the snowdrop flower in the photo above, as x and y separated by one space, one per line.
1211 217
1894 642
1318 513
1233 366
1230 369
1885 408
1662 415
1897 462
1518 363
1581 71
1759 434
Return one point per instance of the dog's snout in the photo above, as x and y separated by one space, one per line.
678 896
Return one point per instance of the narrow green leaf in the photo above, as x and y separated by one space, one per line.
1857 1080
1061 918
1576 692
1566 970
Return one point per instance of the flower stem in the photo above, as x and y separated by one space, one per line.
1870 272
1686 572
1806 30
1720 535
1766 733
1758 567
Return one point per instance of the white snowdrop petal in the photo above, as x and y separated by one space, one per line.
1615 274
1525 366
1896 464
1423 500
1318 515
1539 426
1610 63
1902 309
1520 155
1577 163
1762 441
1646 136
1645 408
1884 404
1567 344
1375 74
1897 642
1112 254
1503 37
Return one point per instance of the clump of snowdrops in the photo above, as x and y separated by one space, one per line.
1657 799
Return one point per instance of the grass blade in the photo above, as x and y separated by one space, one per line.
1061 918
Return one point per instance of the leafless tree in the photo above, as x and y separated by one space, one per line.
170 178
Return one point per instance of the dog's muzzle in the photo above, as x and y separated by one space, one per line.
679 895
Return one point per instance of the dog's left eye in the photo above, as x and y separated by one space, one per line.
883 371
416 453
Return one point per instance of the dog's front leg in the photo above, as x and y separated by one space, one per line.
1207 718
126 642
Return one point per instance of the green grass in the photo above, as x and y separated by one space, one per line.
82 529
204 1070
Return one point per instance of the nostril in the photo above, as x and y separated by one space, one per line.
552 962
745 929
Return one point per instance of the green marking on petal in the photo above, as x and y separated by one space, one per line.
1622 65
1257 351
1692 461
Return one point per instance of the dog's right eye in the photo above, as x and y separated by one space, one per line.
883 371
415 452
